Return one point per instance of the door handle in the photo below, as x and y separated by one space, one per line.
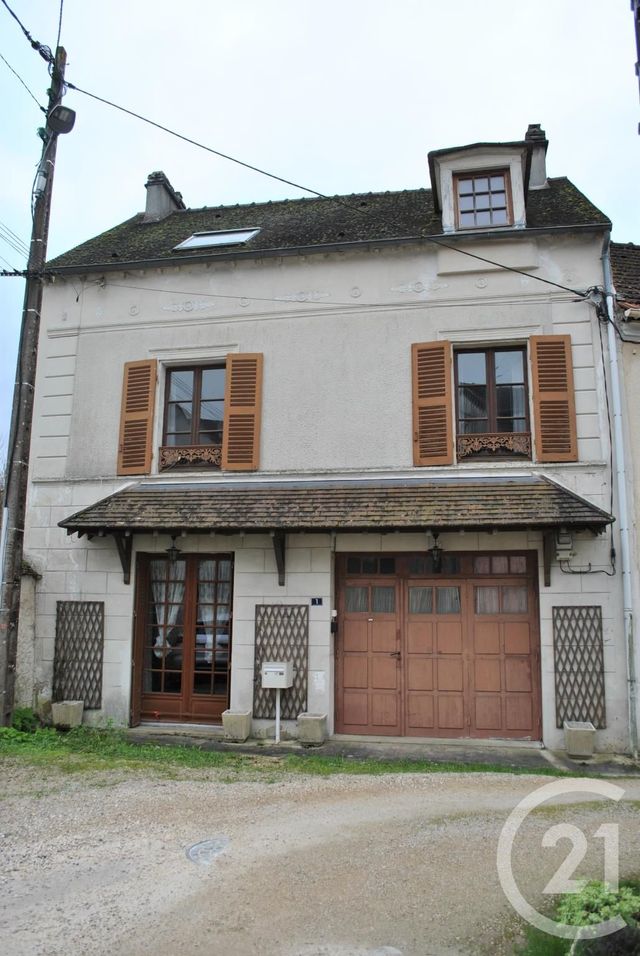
396 654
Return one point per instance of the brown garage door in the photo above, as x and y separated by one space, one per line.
453 654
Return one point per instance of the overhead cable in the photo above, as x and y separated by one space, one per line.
43 50
19 78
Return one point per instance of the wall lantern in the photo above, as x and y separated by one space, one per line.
436 553
173 552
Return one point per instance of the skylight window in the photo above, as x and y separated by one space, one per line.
230 237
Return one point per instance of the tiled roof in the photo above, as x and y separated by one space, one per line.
625 265
473 503
305 223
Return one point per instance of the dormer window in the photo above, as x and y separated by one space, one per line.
483 199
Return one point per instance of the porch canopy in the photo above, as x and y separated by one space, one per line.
374 505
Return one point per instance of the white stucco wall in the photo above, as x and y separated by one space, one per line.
336 332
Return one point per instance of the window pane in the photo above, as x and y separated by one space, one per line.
420 600
497 182
518 564
509 368
487 600
510 401
482 564
483 218
467 219
465 203
511 425
421 564
357 599
499 564
212 386
384 600
387 565
181 386
498 201
483 202
474 426
224 570
473 401
472 368
515 600
450 564
179 418
482 185
369 565
211 415
448 600
353 565
499 217
465 186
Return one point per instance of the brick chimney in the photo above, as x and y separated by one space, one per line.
537 139
162 199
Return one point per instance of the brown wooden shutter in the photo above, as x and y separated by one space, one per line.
554 407
432 405
136 418
242 406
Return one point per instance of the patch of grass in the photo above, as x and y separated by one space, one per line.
593 903
87 749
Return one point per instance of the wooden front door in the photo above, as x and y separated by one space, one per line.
438 655
183 638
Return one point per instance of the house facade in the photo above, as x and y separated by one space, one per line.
357 433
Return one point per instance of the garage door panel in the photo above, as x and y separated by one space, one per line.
488 712
420 674
420 637
420 712
445 655
384 636
487 674
384 673
449 675
518 674
355 672
384 710
517 637
519 713
450 712
486 637
355 636
356 709
449 637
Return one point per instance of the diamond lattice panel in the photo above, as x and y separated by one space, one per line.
579 665
77 662
282 634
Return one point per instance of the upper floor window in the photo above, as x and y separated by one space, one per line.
492 403
483 199
194 413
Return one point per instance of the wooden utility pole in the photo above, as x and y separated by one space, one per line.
15 492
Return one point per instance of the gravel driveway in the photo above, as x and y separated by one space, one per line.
337 866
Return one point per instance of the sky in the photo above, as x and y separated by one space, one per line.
340 95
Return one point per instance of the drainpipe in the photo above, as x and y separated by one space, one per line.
626 562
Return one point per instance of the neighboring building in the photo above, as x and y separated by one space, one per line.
357 433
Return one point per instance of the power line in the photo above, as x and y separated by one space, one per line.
16 238
210 149
44 51
14 246
19 78
8 264
315 192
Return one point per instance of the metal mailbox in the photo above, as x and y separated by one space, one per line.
277 674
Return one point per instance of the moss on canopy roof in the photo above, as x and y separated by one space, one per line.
304 223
